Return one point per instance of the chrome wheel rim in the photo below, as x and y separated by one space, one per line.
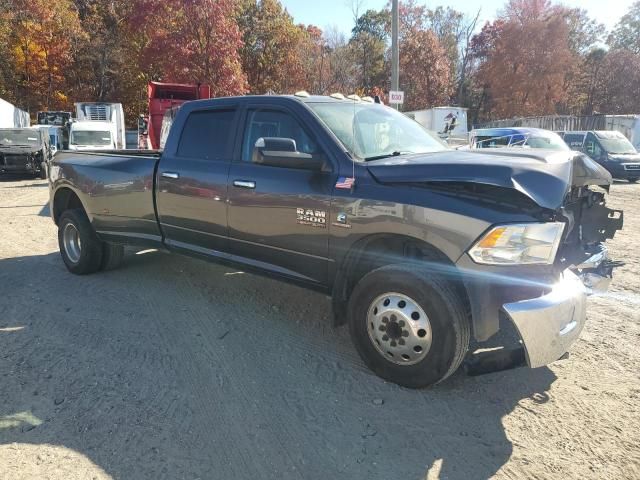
71 242
399 328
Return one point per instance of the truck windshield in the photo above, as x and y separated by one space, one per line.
616 144
19 137
90 137
550 140
370 131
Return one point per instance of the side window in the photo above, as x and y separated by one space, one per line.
574 141
274 123
207 135
592 147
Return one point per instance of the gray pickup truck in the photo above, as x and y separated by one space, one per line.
419 246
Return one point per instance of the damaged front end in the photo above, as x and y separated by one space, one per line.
546 300
549 324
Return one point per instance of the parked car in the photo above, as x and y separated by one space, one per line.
515 137
611 149
420 247
24 150
628 125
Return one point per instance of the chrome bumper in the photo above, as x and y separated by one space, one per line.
549 324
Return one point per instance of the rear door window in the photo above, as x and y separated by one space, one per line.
207 135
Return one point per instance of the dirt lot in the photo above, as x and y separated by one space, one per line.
174 368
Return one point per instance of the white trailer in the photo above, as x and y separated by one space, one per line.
13 117
437 118
628 125
104 112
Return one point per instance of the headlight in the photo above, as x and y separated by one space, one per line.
519 244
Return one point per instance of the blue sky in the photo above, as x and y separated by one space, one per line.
325 13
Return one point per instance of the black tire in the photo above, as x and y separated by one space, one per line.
632 180
90 251
447 313
112 255
43 171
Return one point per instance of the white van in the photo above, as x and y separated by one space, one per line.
92 135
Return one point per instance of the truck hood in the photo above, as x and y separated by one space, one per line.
542 175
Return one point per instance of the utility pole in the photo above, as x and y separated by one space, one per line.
395 57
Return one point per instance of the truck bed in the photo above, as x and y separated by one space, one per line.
116 187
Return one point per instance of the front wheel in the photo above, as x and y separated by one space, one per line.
80 248
409 327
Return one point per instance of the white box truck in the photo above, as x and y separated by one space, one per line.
103 112
439 119
13 117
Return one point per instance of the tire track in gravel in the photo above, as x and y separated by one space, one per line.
211 402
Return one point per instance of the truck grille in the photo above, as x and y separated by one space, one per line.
9 160
632 166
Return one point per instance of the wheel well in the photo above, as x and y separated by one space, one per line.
377 251
65 199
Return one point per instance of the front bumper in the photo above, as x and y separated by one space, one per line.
18 165
548 325
623 170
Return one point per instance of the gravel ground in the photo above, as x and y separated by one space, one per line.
174 368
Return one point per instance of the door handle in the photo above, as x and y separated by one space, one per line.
173 175
244 184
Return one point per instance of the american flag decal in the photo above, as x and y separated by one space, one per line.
345 183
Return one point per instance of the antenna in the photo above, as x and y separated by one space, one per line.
353 132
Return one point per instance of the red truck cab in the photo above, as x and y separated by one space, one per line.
163 96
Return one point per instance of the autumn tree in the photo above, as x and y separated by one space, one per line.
584 32
270 46
343 68
41 38
524 56
447 25
626 34
368 44
425 72
105 52
620 85
195 41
